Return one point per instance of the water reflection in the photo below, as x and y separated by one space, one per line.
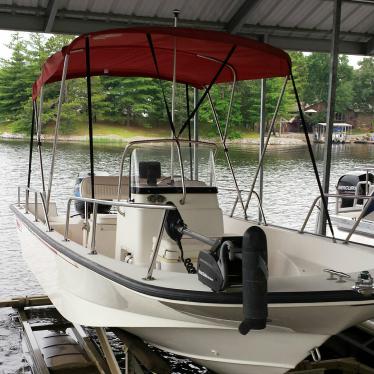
289 189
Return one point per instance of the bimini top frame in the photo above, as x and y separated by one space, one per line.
204 58
126 53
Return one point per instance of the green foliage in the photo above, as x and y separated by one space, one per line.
234 134
363 85
316 89
138 101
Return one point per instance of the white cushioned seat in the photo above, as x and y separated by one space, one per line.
106 187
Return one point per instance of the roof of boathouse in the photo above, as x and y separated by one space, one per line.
148 52
288 24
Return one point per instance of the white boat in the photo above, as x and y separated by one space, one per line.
166 264
340 132
354 205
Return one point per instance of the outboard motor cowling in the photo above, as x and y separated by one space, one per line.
79 205
347 185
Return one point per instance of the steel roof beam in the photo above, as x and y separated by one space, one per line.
316 45
298 30
98 21
33 19
370 47
51 14
239 18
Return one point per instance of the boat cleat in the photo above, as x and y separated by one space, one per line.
339 276
364 284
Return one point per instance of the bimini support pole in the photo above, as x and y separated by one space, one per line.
330 110
189 130
312 158
195 134
89 109
173 88
260 163
57 127
38 135
171 123
223 141
262 136
32 130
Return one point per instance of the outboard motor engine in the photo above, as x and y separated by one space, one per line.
255 277
232 261
347 186
79 205
242 262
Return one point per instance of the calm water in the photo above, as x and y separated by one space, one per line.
289 188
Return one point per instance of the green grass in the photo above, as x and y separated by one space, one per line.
6 127
105 132
359 131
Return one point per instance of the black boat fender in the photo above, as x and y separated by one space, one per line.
255 279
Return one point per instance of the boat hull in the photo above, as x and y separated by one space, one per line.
190 329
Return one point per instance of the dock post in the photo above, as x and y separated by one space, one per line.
334 59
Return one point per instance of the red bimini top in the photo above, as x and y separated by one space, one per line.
199 54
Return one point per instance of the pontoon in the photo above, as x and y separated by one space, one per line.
163 262
340 132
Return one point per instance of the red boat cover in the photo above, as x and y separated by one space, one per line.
126 52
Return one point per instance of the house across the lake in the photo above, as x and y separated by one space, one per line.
316 113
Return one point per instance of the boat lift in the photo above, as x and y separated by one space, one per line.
55 345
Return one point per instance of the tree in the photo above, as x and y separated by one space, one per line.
363 85
16 77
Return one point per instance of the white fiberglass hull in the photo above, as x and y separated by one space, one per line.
85 297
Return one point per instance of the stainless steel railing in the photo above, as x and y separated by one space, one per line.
27 202
340 196
118 204
159 141
236 202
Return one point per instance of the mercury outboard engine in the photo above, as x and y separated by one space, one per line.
79 205
232 261
240 261
347 186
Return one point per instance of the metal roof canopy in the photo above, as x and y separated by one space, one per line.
288 24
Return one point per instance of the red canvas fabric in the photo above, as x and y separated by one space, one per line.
126 52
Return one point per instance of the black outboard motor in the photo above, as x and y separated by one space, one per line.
232 261
79 205
347 186
255 277
240 261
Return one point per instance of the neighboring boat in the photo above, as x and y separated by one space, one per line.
354 209
166 264
340 133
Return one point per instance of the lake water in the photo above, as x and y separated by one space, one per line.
289 189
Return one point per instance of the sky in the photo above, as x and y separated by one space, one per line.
6 35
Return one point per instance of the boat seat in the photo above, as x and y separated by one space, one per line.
106 187
105 240
52 210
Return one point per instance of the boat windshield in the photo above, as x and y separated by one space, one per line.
157 166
